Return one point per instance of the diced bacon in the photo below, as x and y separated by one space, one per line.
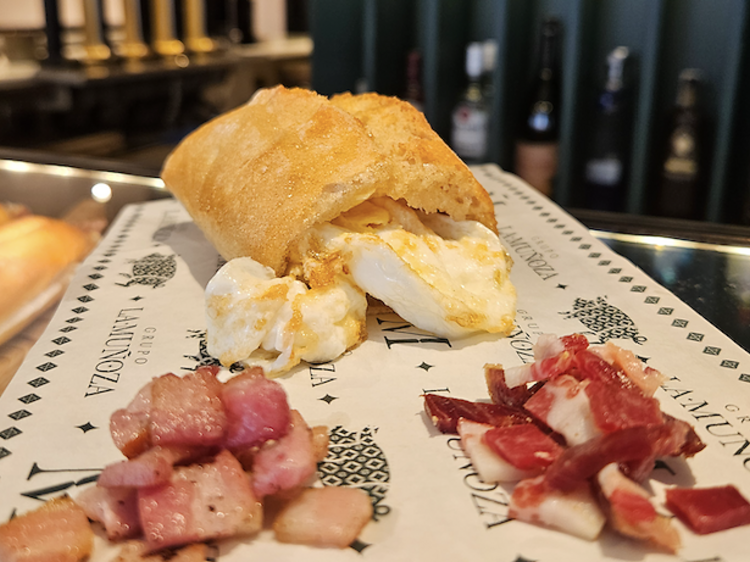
201 502
646 378
541 370
58 531
563 405
614 408
445 413
287 463
137 551
115 508
524 446
708 510
575 512
152 468
320 442
187 410
586 459
257 409
130 426
499 391
326 517
490 466
205 370
632 513
548 345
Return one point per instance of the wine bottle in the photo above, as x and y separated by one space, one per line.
681 173
607 163
489 57
414 93
536 155
470 116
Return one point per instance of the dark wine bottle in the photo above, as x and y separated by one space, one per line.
414 92
536 155
471 116
681 173
608 154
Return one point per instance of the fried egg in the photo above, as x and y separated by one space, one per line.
447 277
255 318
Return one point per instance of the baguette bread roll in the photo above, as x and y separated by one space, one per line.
255 179
423 170
36 257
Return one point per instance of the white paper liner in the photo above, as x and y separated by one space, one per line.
135 310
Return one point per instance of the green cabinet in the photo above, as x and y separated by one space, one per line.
363 44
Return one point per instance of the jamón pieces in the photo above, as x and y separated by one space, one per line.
579 431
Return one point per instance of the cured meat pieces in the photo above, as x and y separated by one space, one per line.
577 430
707 510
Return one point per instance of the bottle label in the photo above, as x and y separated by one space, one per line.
604 171
682 167
536 163
469 136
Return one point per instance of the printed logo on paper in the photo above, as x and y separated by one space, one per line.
355 460
154 270
605 321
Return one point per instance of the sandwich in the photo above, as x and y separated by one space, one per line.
323 206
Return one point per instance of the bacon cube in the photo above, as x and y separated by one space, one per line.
56 532
257 409
287 463
137 551
130 426
152 468
201 502
115 508
327 517
187 410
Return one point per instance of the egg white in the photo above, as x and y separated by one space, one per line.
444 276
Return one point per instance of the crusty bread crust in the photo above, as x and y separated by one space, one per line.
256 178
425 172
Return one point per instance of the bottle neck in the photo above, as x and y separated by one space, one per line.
687 96
548 51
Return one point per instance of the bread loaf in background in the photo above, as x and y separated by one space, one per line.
256 178
36 253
